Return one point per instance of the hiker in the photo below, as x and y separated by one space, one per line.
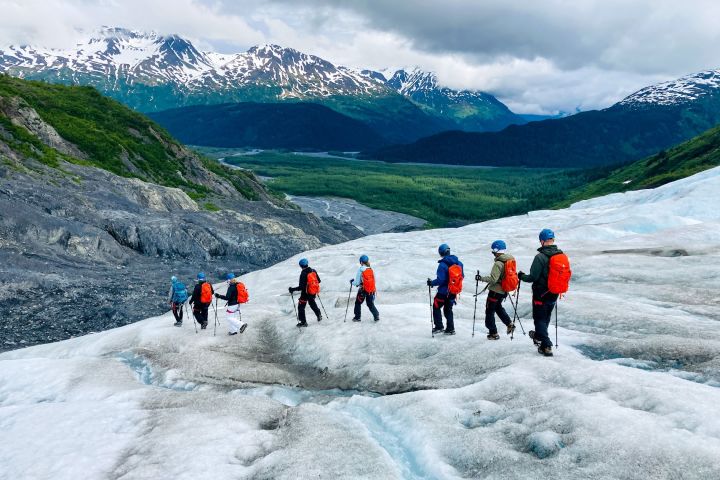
365 281
235 295
502 280
550 275
309 288
177 297
449 277
201 299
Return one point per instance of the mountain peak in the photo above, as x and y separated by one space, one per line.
675 92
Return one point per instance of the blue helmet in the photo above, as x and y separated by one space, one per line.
230 276
173 279
546 234
364 259
444 249
201 276
303 262
498 245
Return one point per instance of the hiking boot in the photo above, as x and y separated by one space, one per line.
232 333
242 329
356 319
493 336
531 334
547 351
438 330
177 324
319 318
449 332
377 319
301 324
203 325
510 328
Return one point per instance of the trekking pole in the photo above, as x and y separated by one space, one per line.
477 283
348 303
517 304
215 327
191 312
515 314
556 314
292 295
432 323
323 307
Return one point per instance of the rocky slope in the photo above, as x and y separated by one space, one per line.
87 243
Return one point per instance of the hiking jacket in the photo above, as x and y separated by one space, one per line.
230 294
539 272
195 298
358 276
441 276
303 280
496 274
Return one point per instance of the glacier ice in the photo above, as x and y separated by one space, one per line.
631 392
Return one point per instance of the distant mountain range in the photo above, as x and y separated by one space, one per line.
644 123
152 72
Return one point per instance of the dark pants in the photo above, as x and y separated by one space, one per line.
443 304
361 297
306 299
177 309
493 305
542 314
201 312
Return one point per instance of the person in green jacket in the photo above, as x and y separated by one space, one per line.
496 295
543 300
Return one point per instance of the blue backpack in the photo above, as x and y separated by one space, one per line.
180 293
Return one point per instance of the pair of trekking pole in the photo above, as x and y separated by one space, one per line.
297 317
516 316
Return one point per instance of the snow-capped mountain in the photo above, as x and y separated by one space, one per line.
117 54
635 378
152 72
682 91
473 110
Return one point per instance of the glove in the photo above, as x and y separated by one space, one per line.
429 283
521 274
217 295
478 278
290 289
351 281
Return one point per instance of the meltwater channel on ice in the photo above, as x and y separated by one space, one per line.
632 391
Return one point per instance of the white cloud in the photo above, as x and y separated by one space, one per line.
537 57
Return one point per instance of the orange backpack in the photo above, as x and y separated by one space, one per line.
242 294
510 281
313 284
206 293
455 279
368 280
559 274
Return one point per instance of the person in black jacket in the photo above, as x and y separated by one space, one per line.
305 297
232 310
543 301
200 308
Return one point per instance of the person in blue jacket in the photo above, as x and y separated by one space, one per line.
444 300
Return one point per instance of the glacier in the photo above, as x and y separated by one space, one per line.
632 390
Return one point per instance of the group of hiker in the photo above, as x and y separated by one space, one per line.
549 274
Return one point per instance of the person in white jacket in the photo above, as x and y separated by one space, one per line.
365 281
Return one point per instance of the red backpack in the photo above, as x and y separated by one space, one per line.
242 294
368 280
313 284
206 294
559 274
455 279
510 281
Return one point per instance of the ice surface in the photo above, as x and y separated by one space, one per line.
632 391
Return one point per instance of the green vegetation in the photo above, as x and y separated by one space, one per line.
112 136
689 158
440 195
211 207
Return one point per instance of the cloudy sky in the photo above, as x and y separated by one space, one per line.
538 56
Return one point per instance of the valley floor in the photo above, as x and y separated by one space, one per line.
630 393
